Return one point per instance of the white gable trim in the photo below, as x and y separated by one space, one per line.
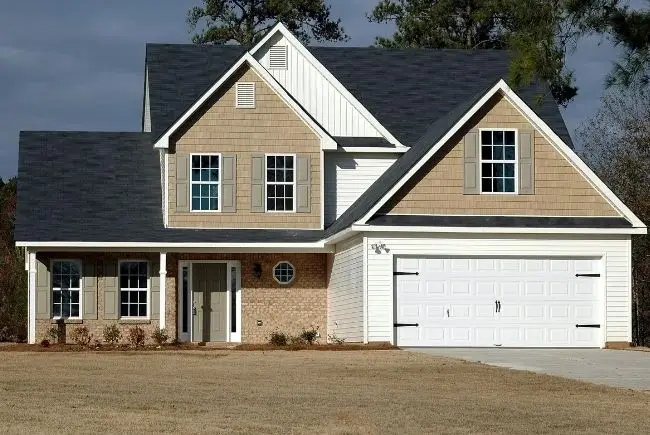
494 230
553 138
326 140
279 27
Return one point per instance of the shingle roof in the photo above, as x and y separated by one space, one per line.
179 74
405 89
501 221
105 187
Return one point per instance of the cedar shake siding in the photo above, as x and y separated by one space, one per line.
301 304
271 127
559 189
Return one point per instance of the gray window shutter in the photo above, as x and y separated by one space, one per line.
89 290
303 184
154 274
526 162
182 183
472 174
228 183
43 291
111 290
257 184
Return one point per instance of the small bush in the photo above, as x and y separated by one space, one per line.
136 336
45 342
309 335
160 336
97 343
81 336
278 338
56 335
333 338
112 334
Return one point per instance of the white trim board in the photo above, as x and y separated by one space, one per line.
279 27
496 230
327 142
537 122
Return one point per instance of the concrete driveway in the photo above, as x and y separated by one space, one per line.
616 368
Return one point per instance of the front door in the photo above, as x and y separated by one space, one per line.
210 302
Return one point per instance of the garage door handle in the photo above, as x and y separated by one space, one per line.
594 325
591 275
399 325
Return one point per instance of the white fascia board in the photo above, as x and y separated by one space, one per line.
327 142
176 246
279 27
496 230
553 138
340 236
374 150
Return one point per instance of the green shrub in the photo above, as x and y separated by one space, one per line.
56 335
160 336
309 335
112 334
136 336
81 336
278 338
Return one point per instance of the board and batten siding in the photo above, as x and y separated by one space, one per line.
316 93
615 252
345 291
347 176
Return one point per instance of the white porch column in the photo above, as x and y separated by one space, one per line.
163 285
31 297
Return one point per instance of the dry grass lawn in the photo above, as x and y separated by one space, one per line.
298 392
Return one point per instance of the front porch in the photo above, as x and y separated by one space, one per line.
198 297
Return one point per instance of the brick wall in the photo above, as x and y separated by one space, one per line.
560 190
271 127
97 325
287 308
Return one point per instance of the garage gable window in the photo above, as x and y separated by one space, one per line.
498 161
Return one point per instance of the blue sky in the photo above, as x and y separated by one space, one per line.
78 65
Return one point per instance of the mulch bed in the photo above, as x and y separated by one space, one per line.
59 347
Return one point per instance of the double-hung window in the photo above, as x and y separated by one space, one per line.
280 182
205 170
134 288
498 161
66 288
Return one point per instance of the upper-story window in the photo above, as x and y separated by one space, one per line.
280 182
66 288
498 161
205 182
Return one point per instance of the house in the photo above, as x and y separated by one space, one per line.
409 196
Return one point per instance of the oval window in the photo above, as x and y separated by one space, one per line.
284 272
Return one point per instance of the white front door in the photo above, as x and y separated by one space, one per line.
516 302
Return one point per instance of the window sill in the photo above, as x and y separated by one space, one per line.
134 322
67 321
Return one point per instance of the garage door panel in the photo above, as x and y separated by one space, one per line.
541 301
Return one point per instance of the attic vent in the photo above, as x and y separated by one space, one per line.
278 57
245 98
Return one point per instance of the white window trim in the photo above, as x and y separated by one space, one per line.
119 287
237 86
266 182
218 210
81 287
283 262
516 160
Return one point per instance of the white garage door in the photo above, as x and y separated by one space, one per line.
516 302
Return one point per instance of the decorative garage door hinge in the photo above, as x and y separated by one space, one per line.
594 325
406 273
592 275
399 325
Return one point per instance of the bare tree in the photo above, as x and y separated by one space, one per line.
617 147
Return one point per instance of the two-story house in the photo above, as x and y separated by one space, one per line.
408 196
